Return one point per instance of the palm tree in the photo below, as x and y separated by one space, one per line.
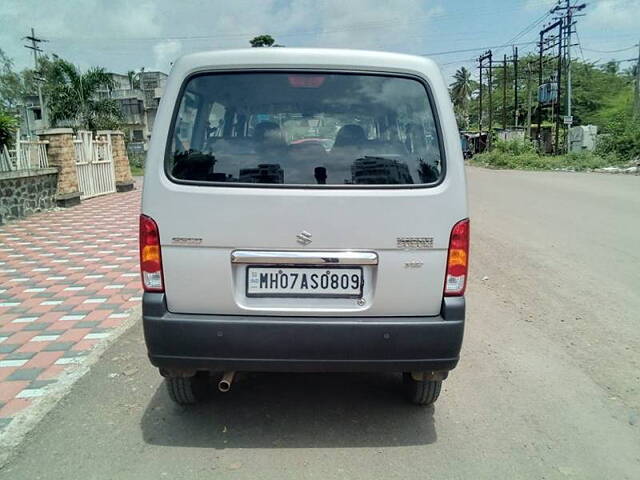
461 90
73 97
134 79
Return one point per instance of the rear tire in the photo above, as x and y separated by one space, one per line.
188 390
421 392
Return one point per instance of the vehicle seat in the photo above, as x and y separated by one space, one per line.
350 136
349 144
307 151
269 139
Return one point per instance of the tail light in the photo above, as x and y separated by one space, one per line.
457 260
150 257
306 81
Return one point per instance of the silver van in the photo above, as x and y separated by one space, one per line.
304 210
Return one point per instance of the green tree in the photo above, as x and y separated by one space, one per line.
13 86
600 95
73 97
461 90
8 125
263 41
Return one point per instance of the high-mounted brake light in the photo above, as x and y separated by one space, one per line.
150 257
457 260
306 81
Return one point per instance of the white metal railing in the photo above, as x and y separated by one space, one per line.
94 165
6 160
27 155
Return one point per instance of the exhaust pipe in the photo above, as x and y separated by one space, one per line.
224 385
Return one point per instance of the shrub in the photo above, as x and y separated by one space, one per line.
8 125
136 161
622 138
514 147
533 161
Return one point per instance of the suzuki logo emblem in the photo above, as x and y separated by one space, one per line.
304 237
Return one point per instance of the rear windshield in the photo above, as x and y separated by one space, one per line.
304 129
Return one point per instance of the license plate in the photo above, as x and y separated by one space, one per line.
304 282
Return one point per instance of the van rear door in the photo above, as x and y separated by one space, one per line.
298 193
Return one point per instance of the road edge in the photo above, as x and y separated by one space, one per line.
26 420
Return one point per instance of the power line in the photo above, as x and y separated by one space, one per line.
528 28
580 46
372 25
632 47
433 54
462 60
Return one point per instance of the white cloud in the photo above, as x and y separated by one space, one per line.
540 5
122 35
165 54
616 14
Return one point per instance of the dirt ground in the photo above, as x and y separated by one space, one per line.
548 385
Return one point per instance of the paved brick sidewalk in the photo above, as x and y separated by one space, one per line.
67 279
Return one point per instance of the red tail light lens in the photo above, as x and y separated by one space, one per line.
306 81
458 260
150 257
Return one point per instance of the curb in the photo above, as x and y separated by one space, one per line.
26 420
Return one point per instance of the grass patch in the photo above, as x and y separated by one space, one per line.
136 162
520 155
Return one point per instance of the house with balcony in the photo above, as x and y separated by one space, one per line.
137 95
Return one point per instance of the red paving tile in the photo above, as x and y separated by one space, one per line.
13 406
43 360
21 337
6 371
44 259
53 372
74 335
8 390
84 345
111 323
9 328
32 347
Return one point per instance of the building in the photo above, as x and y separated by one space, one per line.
264 173
138 97
31 120
380 171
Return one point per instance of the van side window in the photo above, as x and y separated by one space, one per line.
305 129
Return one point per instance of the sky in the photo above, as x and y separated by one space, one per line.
125 35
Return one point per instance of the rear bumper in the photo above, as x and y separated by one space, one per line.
186 343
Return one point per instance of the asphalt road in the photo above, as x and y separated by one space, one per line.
548 385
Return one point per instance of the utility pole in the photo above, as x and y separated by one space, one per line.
543 48
636 105
558 102
485 56
504 93
568 25
480 60
490 98
569 29
515 87
36 49
529 100
540 66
